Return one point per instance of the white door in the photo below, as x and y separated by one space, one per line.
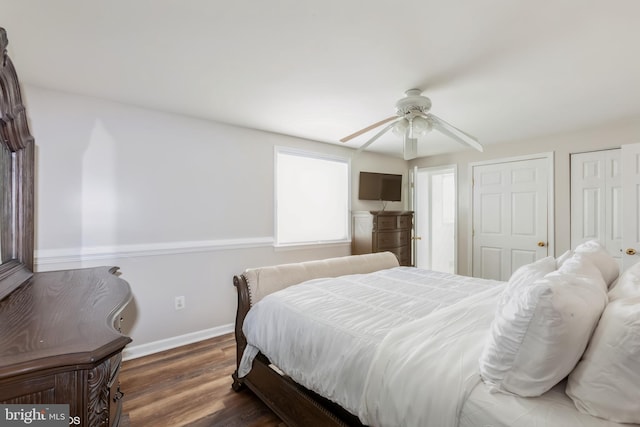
435 218
510 216
596 199
631 204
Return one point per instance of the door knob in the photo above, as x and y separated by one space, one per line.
541 244
630 251
416 238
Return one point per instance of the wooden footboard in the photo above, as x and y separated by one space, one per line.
244 304
294 404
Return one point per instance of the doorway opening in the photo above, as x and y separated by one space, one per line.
435 196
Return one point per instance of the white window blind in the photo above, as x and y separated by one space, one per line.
312 197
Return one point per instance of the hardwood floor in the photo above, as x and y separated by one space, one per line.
190 386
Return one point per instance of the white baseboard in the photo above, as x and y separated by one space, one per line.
135 351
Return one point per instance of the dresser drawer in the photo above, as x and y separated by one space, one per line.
404 221
392 239
381 222
392 222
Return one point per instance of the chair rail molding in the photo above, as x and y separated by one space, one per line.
90 253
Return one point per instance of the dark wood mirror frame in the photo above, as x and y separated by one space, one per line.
16 180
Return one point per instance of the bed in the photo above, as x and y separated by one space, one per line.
360 340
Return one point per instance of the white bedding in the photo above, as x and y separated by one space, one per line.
324 333
552 409
397 347
444 348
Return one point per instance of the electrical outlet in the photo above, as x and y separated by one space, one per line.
180 303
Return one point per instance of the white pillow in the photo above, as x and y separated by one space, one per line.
627 285
607 265
582 267
562 258
539 332
606 382
529 273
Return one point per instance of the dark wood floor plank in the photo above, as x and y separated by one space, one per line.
190 386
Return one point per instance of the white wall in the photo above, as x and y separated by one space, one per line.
182 204
179 204
598 138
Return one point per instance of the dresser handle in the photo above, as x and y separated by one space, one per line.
119 395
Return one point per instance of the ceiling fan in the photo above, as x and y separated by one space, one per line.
412 120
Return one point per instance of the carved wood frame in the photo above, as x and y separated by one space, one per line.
17 180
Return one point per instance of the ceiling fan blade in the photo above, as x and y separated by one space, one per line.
368 128
379 134
455 133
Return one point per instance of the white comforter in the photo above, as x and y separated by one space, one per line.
444 347
335 336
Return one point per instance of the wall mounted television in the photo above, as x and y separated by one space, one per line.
380 186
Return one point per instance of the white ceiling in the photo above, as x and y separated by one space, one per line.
502 70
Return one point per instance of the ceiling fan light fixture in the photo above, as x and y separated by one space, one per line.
421 126
400 128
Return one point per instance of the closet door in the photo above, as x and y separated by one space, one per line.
631 211
510 216
596 199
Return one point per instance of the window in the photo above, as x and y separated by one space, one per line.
311 197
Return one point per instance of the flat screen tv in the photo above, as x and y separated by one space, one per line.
380 186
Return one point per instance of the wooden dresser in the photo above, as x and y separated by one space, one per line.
379 231
60 343
60 340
